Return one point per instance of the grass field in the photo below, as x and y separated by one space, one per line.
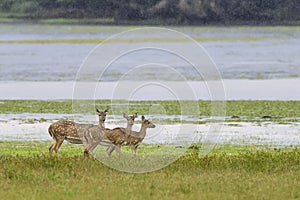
233 108
27 171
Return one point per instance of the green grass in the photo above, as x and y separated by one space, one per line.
77 21
275 109
27 18
31 148
229 172
27 171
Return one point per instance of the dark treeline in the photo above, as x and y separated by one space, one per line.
162 11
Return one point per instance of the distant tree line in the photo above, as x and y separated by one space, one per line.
162 11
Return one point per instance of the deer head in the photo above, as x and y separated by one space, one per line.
130 119
102 116
146 123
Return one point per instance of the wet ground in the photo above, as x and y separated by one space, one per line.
28 126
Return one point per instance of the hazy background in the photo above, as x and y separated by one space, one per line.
160 12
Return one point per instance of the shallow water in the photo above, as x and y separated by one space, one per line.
274 53
47 71
27 126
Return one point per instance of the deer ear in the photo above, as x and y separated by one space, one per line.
97 110
125 115
143 118
106 110
135 115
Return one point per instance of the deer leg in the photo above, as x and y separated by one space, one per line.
51 148
110 149
87 147
54 142
86 153
133 149
58 144
118 149
93 146
53 145
87 150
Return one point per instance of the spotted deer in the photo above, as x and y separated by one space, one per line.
119 136
96 135
130 121
70 131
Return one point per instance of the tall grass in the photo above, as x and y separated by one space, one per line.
263 174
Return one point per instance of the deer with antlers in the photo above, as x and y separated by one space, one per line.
96 135
71 131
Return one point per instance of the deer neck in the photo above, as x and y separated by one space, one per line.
101 125
129 128
142 132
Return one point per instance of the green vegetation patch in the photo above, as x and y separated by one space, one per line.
32 148
263 109
246 173
266 109
77 21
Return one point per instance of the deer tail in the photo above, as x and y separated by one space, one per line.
50 130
